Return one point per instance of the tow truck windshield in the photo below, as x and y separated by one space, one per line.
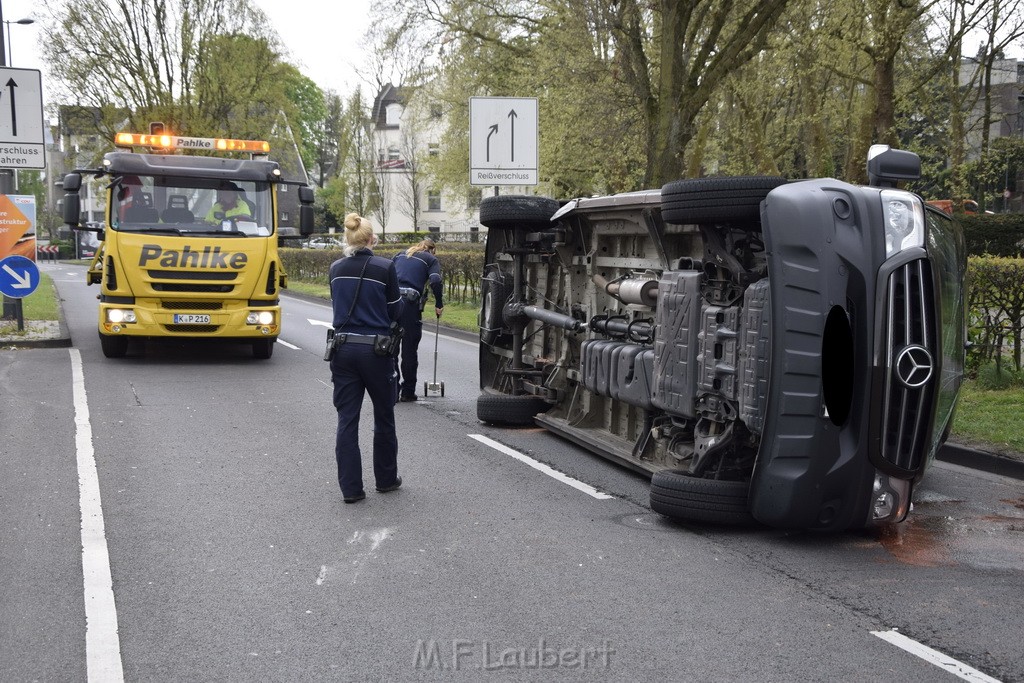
172 205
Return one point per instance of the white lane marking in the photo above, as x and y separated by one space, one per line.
551 472
321 323
102 644
944 662
290 346
322 575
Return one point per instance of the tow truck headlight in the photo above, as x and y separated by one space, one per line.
904 221
120 315
260 318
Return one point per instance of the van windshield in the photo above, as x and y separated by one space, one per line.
236 208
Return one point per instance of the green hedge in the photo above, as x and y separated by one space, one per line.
461 266
995 309
996 234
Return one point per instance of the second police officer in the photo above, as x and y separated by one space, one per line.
417 267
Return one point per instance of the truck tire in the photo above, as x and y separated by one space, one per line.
263 348
508 410
523 212
113 346
679 496
716 200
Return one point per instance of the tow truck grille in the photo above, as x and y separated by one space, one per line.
191 329
911 365
192 305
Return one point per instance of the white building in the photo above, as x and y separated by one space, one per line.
406 134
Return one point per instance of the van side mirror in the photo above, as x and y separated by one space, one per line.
887 166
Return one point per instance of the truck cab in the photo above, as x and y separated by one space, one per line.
188 244
785 353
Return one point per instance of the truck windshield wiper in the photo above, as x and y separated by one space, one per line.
228 233
162 230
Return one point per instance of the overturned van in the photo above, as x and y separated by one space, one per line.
788 353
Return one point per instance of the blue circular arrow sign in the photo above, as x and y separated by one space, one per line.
19 277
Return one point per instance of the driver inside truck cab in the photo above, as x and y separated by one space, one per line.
228 205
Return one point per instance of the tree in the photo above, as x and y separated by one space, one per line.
204 67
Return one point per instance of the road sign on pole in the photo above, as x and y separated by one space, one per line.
503 140
19 277
22 144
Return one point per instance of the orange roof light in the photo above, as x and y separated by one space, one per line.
181 142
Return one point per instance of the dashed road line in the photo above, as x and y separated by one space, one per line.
541 467
944 662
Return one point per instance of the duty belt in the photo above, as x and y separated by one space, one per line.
346 338
410 294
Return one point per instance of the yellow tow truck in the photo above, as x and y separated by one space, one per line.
188 246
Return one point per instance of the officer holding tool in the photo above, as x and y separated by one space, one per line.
417 267
367 303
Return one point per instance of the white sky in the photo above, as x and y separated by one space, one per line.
324 38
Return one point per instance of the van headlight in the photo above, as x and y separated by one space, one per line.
904 221
120 315
260 318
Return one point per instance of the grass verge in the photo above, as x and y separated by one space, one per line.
42 304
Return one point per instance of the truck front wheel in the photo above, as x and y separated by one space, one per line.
263 348
113 346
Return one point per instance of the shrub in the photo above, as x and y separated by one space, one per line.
995 234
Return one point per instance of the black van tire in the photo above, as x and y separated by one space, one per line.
680 496
509 410
716 200
523 212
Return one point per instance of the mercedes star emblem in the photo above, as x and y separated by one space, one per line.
914 366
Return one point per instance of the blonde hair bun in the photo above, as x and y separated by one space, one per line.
353 221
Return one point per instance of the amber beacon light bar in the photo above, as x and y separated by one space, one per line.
164 141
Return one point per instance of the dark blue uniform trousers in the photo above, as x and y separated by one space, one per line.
411 321
355 369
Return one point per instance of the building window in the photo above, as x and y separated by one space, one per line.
434 150
393 114
282 188
433 200
284 216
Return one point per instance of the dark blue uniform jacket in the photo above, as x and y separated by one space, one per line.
380 300
416 271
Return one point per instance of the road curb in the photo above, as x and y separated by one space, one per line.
984 461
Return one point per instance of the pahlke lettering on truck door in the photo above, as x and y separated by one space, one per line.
209 257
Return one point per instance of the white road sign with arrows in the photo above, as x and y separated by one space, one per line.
22 144
503 140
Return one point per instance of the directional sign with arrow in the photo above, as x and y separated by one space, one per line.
502 141
19 277
22 144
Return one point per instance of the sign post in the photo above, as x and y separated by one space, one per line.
19 277
503 135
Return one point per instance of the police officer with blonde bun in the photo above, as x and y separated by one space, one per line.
417 267
366 301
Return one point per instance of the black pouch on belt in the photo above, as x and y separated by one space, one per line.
329 350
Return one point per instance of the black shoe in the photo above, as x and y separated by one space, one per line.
407 399
357 497
387 489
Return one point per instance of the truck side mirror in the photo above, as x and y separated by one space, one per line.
73 182
306 211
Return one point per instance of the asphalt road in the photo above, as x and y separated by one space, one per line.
232 557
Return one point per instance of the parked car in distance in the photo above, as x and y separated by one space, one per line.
323 242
